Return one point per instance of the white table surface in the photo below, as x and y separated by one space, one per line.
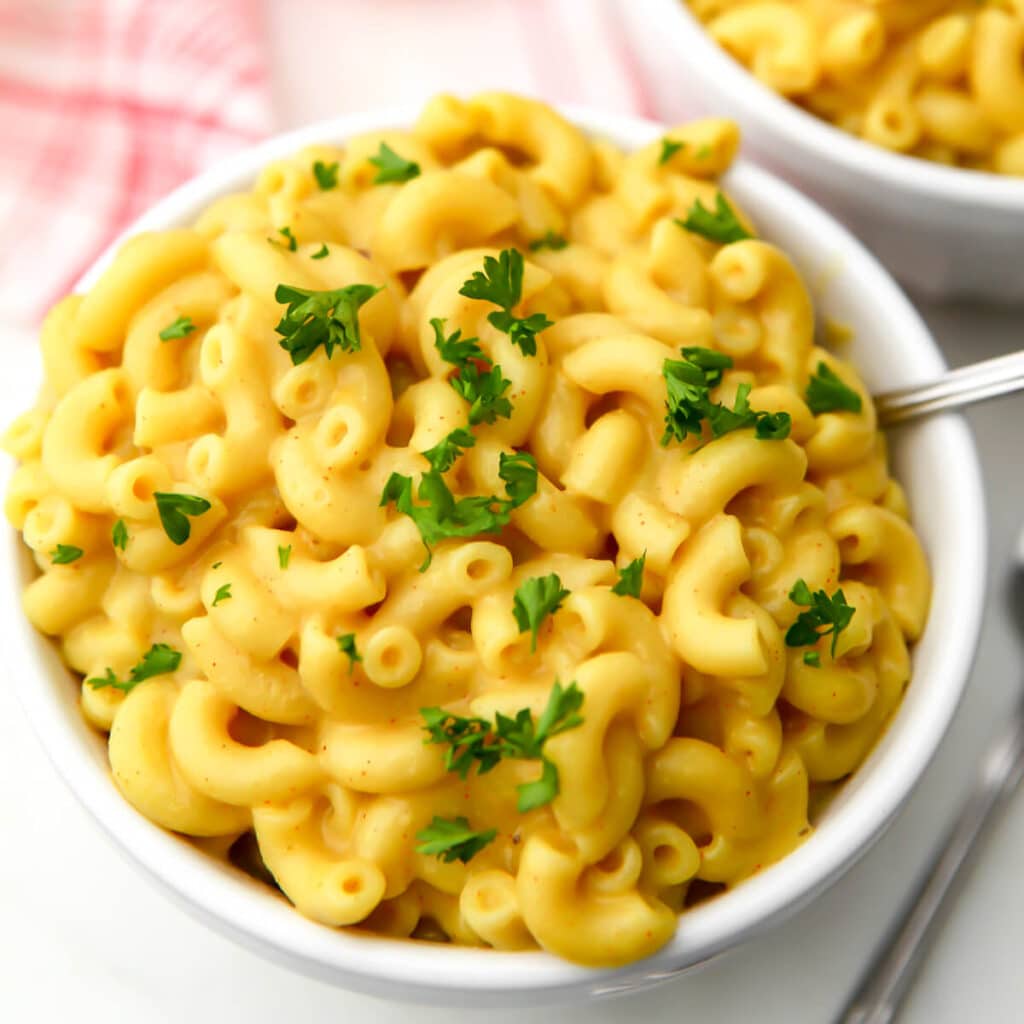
84 938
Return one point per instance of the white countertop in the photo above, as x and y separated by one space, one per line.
84 938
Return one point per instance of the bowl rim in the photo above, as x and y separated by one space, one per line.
817 137
270 926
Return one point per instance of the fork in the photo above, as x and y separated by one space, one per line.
888 978
974 383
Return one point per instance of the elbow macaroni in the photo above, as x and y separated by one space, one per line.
702 732
937 79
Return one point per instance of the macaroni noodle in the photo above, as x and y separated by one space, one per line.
364 535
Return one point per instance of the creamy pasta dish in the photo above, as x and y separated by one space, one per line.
464 531
938 79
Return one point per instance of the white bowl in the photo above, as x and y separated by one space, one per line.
943 231
935 461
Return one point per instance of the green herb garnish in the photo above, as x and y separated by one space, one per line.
453 839
826 616
631 578
284 555
722 225
550 240
326 174
391 167
321 252
174 511
119 535
328 318
536 599
180 328
347 645
223 594
476 741
826 392
669 148
64 554
157 661
501 282
477 379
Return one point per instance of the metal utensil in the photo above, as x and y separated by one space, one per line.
969 384
891 973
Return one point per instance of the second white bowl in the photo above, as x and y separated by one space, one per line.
945 232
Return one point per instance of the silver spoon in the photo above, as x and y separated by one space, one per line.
894 967
969 384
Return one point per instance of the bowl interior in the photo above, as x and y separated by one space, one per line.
936 463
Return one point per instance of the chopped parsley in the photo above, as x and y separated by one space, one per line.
631 578
476 379
64 554
669 148
391 167
223 594
347 645
534 601
550 240
284 555
453 839
326 174
688 405
321 252
174 510
180 328
826 392
290 239
501 283
327 318
722 225
825 616
159 660
441 515
476 741
119 535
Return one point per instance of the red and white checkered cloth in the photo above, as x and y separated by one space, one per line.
105 105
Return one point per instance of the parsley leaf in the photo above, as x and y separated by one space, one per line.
321 252
453 839
826 392
328 318
284 555
470 741
475 741
669 148
534 600
181 328
392 167
550 240
347 645
119 535
174 508
63 554
631 578
449 450
688 385
442 515
812 658
157 661
501 282
477 379
223 594
826 616
722 225
292 241
326 174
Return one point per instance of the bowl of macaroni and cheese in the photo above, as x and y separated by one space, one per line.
454 550
904 118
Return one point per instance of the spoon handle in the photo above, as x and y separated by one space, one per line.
887 979
974 383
